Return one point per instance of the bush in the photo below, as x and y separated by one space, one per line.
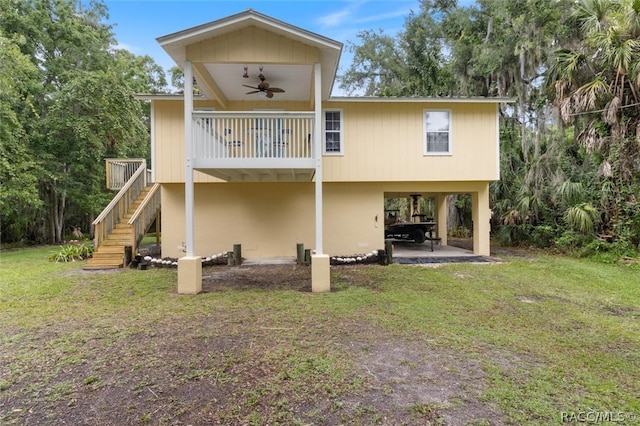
513 235
72 251
460 232
571 241
543 236
606 252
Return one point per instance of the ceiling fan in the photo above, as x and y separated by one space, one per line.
264 87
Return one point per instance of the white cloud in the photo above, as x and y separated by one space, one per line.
384 16
335 19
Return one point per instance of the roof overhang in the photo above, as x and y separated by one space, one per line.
422 99
228 76
355 99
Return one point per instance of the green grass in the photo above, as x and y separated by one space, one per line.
549 334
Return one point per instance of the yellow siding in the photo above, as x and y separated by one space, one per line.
384 142
252 44
269 219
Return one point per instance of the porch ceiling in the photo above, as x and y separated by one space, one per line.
295 80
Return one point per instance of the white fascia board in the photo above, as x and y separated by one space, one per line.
379 99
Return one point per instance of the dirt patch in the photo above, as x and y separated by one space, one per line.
231 366
257 277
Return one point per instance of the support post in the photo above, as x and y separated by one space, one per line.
300 253
388 249
237 254
189 266
189 275
158 228
481 215
188 152
320 263
441 209
320 279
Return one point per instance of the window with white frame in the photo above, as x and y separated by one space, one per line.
437 132
332 130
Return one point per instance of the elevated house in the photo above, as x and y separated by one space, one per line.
271 159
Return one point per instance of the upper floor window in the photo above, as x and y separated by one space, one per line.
437 132
332 130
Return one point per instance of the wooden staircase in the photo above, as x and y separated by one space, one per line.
111 252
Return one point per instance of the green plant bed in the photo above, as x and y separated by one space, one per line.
72 251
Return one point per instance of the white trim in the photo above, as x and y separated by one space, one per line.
244 19
162 97
425 152
189 160
324 132
380 99
354 99
318 156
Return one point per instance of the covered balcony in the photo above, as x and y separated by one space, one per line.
256 146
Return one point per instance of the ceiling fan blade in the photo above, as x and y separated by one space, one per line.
263 86
276 90
255 91
269 94
252 87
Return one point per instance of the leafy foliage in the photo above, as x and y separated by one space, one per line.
74 250
570 158
67 98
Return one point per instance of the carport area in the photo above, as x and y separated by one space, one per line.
407 252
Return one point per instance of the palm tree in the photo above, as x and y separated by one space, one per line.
597 89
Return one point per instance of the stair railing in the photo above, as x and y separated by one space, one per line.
144 216
106 222
120 170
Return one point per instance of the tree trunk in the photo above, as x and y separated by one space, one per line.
57 203
60 216
453 214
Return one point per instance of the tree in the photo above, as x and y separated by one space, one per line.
596 86
83 108
18 181
409 65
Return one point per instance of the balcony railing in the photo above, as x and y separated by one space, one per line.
223 137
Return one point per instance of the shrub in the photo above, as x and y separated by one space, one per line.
72 251
513 235
572 241
460 232
608 252
543 236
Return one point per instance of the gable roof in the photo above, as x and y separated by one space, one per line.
175 44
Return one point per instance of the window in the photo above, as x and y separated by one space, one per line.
332 132
437 132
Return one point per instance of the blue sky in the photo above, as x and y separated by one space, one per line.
137 23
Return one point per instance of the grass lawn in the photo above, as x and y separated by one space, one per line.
534 340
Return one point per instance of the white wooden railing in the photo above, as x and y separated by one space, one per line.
113 214
144 215
255 134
